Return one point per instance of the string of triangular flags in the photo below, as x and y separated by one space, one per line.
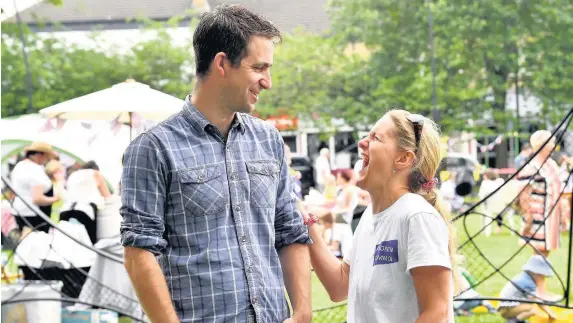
49 125
115 125
491 146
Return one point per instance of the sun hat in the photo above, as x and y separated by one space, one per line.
538 265
42 147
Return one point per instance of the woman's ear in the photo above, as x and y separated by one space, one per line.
404 160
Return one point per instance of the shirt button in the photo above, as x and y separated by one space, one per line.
237 208
243 239
255 300
234 176
249 269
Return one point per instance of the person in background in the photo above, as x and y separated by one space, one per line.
524 286
330 189
87 185
448 191
32 184
338 236
566 164
494 205
467 282
539 201
322 169
294 175
523 156
56 172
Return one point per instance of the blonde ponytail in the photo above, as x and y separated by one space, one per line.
428 157
439 203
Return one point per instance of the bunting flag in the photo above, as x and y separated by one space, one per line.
92 138
47 126
135 120
60 123
115 125
491 146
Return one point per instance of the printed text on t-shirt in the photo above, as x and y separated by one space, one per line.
386 253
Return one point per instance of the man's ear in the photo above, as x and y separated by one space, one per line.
219 64
404 160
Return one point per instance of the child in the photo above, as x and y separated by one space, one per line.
523 286
467 282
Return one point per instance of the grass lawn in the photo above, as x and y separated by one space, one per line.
498 248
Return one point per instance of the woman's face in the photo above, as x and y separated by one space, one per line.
379 151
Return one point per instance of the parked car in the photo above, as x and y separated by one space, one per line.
304 165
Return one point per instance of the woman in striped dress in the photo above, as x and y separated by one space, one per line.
539 200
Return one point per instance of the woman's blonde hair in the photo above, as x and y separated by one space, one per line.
428 158
52 166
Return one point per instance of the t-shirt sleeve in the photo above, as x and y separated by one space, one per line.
428 240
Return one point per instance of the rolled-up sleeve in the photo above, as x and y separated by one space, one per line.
289 226
143 194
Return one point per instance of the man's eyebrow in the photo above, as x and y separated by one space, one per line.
262 64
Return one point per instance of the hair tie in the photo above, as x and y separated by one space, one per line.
429 185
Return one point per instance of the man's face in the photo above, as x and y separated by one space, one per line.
248 80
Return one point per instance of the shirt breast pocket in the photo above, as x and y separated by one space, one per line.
263 179
203 190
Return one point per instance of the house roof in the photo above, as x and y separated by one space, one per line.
287 15
84 14
113 14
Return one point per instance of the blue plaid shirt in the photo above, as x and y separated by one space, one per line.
214 213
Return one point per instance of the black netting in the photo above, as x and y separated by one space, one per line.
528 193
99 284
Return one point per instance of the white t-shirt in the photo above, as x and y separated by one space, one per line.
25 175
82 187
409 234
322 166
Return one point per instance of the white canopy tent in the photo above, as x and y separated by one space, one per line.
73 140
128 102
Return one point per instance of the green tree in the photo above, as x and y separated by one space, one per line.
480 49
61 71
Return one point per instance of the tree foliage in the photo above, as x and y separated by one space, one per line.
61 71
482 49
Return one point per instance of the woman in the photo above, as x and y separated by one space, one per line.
539 201
494 206
347 198
399 268
87 192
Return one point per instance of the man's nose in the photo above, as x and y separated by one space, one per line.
267 82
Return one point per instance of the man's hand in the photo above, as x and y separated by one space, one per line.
300 318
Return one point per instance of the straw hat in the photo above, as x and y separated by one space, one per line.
42 147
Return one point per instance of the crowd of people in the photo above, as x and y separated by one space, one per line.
59 193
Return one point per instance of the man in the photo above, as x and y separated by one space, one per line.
322 169
210 224
33 186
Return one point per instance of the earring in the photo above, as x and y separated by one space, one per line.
393 170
